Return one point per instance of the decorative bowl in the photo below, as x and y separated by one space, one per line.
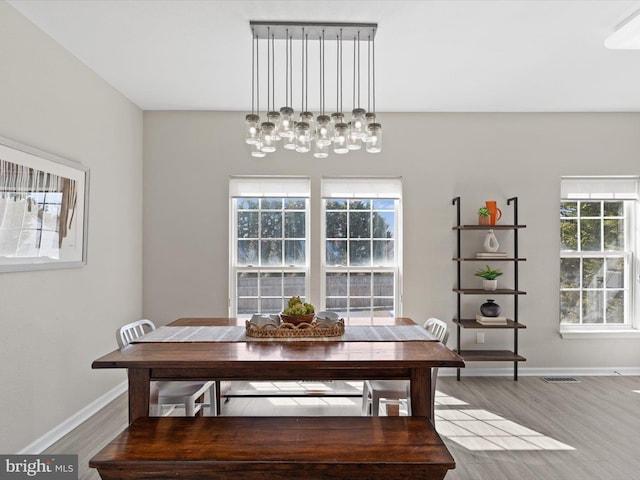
297 319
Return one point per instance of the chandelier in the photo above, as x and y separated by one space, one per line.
279 48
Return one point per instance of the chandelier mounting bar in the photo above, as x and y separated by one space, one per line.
284 30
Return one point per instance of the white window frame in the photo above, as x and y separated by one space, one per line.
361 188
609 188
265 187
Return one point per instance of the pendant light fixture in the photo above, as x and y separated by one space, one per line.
324 133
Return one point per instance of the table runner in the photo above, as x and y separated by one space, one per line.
356 333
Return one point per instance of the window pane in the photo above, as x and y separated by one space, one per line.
590 209
613 234
247 203
294 225
359 225
271 203
271 305
360 284
384 204
336 252
359 252
271 252
383 225
294 204
590 235
336 285
247 306
359 304
294 253
247 224
570 307
383 252
336 225
271 284
247 252
337 305
336 204
569 273
613 209
615 307
247 284
568 209
592 311
615 273
294 285
271 223
383 284
593 273
569 235
360 204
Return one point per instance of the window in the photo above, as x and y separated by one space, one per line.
597 251
361 254
269 242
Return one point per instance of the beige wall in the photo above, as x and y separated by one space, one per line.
188 157
56 322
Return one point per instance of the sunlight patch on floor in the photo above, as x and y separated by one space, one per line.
477 429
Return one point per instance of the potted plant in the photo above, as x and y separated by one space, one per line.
489 276
484 216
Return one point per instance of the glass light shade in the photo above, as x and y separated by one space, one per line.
341 138
336 118
285 128
358 123
320 150
256 150
252 129
289 143
274 117
268 137
323 130
374 138
303 137
354 143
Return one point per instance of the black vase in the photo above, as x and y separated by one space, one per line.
490 309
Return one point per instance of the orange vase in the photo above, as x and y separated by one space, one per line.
495 213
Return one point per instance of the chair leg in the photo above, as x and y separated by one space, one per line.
213 400
190 408
375 404
366 400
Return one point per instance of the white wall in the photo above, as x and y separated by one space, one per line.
56 322
188 157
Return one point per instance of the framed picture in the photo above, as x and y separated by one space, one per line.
43 209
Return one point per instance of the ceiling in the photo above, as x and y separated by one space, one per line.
431 56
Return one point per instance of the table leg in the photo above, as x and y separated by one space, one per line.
421 401
143 394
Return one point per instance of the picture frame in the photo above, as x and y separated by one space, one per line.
44 206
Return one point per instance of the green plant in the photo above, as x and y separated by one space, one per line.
483 212
296 307
488 273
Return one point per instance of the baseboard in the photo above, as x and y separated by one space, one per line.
56 433
541 372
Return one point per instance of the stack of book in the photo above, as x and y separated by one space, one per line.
491 254
491 320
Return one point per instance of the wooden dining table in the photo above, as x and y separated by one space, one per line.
284 359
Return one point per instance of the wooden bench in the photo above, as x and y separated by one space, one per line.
263 448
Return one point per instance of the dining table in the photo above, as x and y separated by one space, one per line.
188 349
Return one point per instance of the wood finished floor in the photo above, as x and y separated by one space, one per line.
490 435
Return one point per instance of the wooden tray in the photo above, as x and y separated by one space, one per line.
317 328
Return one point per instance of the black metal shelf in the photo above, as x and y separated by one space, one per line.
511 323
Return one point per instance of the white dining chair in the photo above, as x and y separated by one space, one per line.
173 393
396 390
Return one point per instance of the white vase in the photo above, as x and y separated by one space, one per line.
491 242
490 284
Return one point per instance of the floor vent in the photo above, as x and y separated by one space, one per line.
561 380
